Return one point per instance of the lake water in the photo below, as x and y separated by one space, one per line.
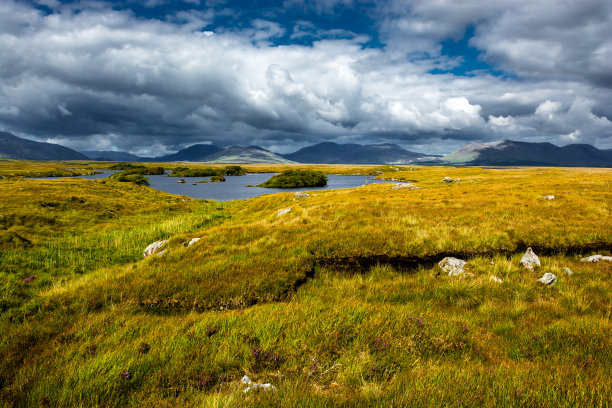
234 188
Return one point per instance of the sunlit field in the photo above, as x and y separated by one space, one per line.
337 302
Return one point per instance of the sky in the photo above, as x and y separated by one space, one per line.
152 77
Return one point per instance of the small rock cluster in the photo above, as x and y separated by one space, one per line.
300 194
404 185
450 180
154 248
251 386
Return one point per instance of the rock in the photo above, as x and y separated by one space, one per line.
529 259
160 253
457 180
596 258
283 211
300 194
447 180
452 266
394 168
193 241
548 278
154 247
568 271
496 279
181 181
256 386
549 197
402 185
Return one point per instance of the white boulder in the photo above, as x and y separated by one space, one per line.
193 241
300 194
530 260
153 248
548 278
447 180
452 266
283 212
549 197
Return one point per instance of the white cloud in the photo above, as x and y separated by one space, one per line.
84 76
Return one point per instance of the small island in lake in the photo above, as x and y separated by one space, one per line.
296 178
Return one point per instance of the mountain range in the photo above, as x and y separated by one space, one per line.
13 147
501 153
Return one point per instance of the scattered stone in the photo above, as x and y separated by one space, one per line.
457 180
394 168
548 278
447 180
596 258
403 185
160 253
496 279
283 211
529 259
300 194
256 386
549 197
568 271
452 266
153 248
193 241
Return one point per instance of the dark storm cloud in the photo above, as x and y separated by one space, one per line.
104 78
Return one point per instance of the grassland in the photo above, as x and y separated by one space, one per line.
336 303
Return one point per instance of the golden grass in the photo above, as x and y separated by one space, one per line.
299 301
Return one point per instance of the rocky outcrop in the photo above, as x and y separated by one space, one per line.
530 260
154 248
399 186
452 266
548 279
596 258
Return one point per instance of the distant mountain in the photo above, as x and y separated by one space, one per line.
333 153
513 153
111 156
195 153
13 147
239 154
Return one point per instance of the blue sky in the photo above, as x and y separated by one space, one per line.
430 75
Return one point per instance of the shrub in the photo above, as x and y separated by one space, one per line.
296 178
130 178
216 179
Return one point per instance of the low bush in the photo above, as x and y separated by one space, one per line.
296 178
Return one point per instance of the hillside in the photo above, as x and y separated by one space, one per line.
13 147
194 153
508 152
329 153
239 154
337 302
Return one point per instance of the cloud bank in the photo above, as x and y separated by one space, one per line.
91 76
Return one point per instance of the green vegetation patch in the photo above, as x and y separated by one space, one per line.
207 171
296 178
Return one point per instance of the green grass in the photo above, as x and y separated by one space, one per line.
336 303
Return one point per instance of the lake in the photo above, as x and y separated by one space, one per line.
234 188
